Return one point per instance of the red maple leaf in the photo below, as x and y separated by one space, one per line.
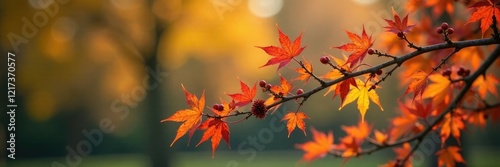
358 47
191 118
417 84
246 96
285 53
398 25
216 129
342 88
485 10
421 110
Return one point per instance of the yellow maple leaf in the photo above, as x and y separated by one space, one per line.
364 96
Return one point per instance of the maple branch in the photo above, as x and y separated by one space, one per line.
495 34
341 70
410 44
485 108
397 60
387 74
380 54
309 72
236 113
443 61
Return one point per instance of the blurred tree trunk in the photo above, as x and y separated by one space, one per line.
157 145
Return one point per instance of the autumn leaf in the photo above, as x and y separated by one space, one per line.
484 12
476 118
439 6
439 89
403 152
398 25
282 55
449 156
342 88
380 137
413 5
421 110
284 88
358 47
246 96
486 83
417 84
318 147
191 118
304 75
359 132
295 119
405 124
470 55
364 96
216 129
451 124
350 146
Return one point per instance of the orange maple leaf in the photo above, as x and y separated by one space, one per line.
318 147
476 118
380 137
470 55
190 117
413 5
486 83
402 152
398 25
342 88
350 146
440 90
439 6
285 53
364 96
246 96
295 119
304 75
449 156
216 129
284 88
421 110
359 132
405 124
451 124
485 10
417 84
358 47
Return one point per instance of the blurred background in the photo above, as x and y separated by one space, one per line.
95 77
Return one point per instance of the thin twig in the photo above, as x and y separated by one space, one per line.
309 72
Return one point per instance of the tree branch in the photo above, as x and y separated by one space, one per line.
397 60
